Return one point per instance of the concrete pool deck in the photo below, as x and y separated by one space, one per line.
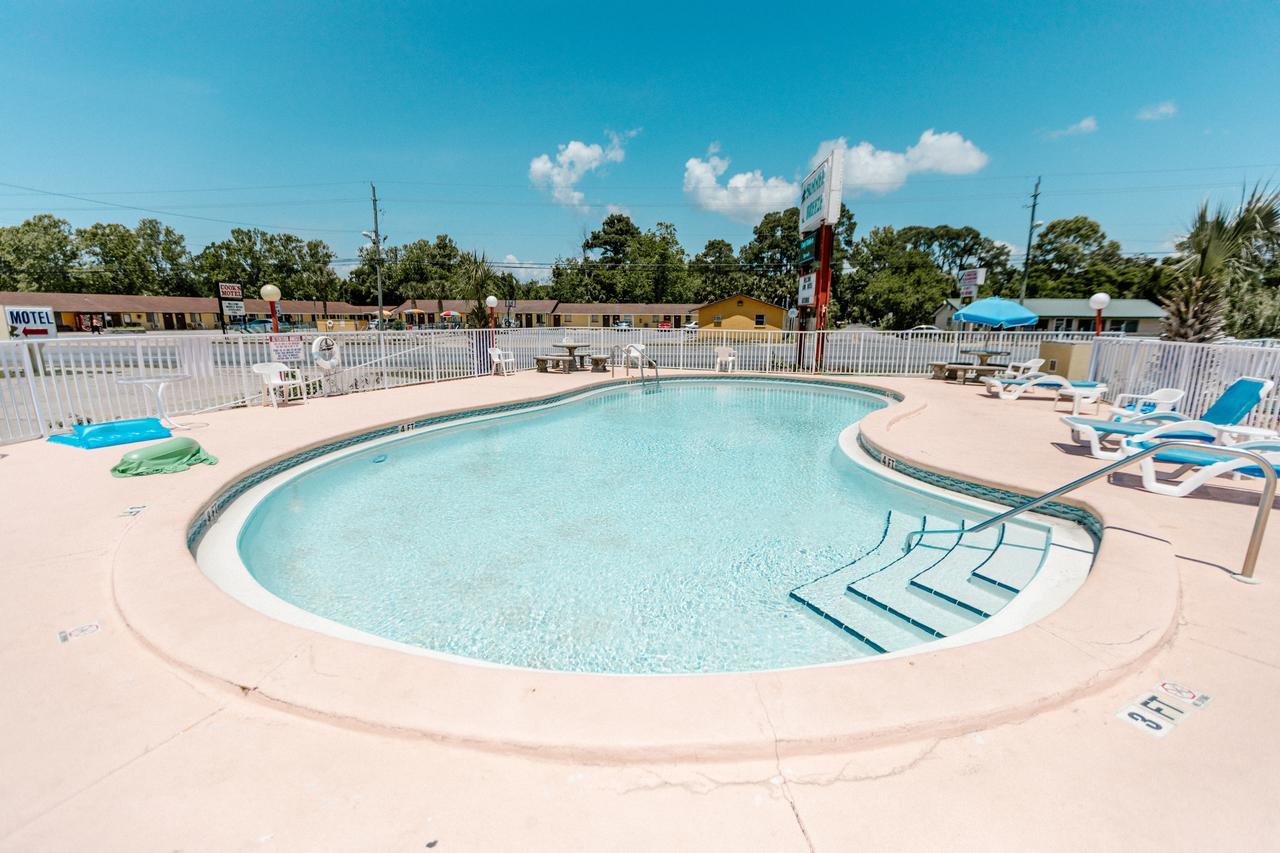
189 721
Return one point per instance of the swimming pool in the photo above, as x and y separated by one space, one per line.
709 526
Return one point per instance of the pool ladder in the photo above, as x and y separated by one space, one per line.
619 352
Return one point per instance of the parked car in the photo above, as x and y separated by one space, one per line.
622 324
691 326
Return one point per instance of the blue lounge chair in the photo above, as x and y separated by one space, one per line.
1206 463
1232 407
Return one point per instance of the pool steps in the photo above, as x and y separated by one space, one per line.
922 582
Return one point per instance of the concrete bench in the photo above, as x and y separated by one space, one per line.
599 363
542 363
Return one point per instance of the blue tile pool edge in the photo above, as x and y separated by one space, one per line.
214 508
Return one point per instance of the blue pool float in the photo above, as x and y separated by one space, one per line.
89 436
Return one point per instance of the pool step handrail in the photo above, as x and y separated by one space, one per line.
1265 502
656 382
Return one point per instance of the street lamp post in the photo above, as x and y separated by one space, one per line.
271 293
1098 302
492 303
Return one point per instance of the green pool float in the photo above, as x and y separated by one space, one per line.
167 457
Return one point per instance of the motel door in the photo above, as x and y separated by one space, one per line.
555 321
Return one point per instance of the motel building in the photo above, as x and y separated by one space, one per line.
522 313
1131 316
75 312
603 315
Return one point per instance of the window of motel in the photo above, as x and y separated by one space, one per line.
759 319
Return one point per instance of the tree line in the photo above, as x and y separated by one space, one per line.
1224 276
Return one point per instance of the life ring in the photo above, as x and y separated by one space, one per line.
324 352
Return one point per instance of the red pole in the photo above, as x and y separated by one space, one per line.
1097 323
275 321
823 296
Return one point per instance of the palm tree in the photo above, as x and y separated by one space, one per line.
476 281
1220 252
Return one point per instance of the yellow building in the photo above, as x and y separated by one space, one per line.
742 313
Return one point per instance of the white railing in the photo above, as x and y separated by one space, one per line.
48 386
1139 366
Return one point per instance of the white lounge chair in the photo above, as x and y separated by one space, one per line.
504 362
279 377
1012 389
1028 369
726 358
1232 406
1203 465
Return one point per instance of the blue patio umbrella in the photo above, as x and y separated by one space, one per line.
996 312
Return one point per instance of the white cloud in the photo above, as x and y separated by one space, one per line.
574 160
1157 112
1088 124
869 168
523 272
617 208
745 197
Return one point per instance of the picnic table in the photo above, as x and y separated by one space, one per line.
984 355
572 349
962 371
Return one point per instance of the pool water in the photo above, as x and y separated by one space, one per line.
625 532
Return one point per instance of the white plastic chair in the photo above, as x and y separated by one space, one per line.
277 376
633 351
727 358
504 362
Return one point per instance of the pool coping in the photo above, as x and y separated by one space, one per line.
1118 619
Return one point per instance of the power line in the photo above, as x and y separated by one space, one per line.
173 213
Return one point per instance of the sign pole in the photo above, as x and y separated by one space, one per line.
823 297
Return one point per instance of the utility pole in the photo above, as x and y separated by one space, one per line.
1031 230
377 255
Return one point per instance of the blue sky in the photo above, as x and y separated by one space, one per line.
280 114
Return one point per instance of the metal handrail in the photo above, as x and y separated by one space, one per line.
1259 521
654 364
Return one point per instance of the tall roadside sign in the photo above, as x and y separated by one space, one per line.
970 280
820 195
230 302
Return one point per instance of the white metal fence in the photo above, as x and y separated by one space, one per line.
48 386
1139 366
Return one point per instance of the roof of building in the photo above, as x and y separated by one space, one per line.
1119 308
626 308
462 306
110 302
739 296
